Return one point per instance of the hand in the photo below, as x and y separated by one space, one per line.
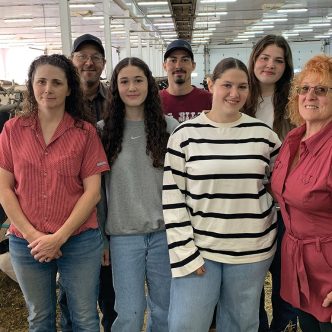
200 271
327 301
105 259
46 248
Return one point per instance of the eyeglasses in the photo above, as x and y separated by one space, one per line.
96 58
320 90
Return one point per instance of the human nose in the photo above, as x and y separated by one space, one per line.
89 60
132 86
271 63
48 87
311 92
234 92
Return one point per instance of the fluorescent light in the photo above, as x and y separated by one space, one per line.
292 10
158 15
274 20
211 13
258 27
319 24
240 39
206 23
286 34
154 3
14 20
82 5
322 36
43 28
217 1
93 17
169 24
256 32
302 30
118 32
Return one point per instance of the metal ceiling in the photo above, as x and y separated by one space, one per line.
208 22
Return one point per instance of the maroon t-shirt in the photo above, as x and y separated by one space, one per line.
188 106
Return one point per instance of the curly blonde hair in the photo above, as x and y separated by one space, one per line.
321 66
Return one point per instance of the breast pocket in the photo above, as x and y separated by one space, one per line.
69 165
314 193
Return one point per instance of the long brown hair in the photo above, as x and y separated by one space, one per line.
281 124
154 119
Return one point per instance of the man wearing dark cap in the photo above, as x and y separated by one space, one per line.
182 100
88 56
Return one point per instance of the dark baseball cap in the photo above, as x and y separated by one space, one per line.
88 39
178 44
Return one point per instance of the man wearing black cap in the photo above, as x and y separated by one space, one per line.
88 56
182 100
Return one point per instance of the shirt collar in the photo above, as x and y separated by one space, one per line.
33 121
315 142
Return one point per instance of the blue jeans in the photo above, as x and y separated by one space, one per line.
137 259
283 313
234 288
106 300
79 269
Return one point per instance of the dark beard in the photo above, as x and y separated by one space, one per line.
179 80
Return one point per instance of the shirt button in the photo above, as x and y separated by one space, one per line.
44 196
45 173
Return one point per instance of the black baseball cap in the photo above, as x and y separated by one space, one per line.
88 39
178 44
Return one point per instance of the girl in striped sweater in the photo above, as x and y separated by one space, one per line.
220 218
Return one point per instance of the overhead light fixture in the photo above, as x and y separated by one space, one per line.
206 23
302 30
258 27
82 5
265 20
17 19
158 15
240 39
292 10
43 28
322 36
211 13
154 3
286 34
164 24
319 25
217 1
93 17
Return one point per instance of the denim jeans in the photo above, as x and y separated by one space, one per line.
283 313
106 300
78 267
137 259
234 288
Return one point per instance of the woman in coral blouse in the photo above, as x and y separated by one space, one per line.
302 183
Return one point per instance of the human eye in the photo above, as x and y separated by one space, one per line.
303 89
243 87
185 60
226 85
40 81
281 61
321 90
82 57
97 58
264 58
123 82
